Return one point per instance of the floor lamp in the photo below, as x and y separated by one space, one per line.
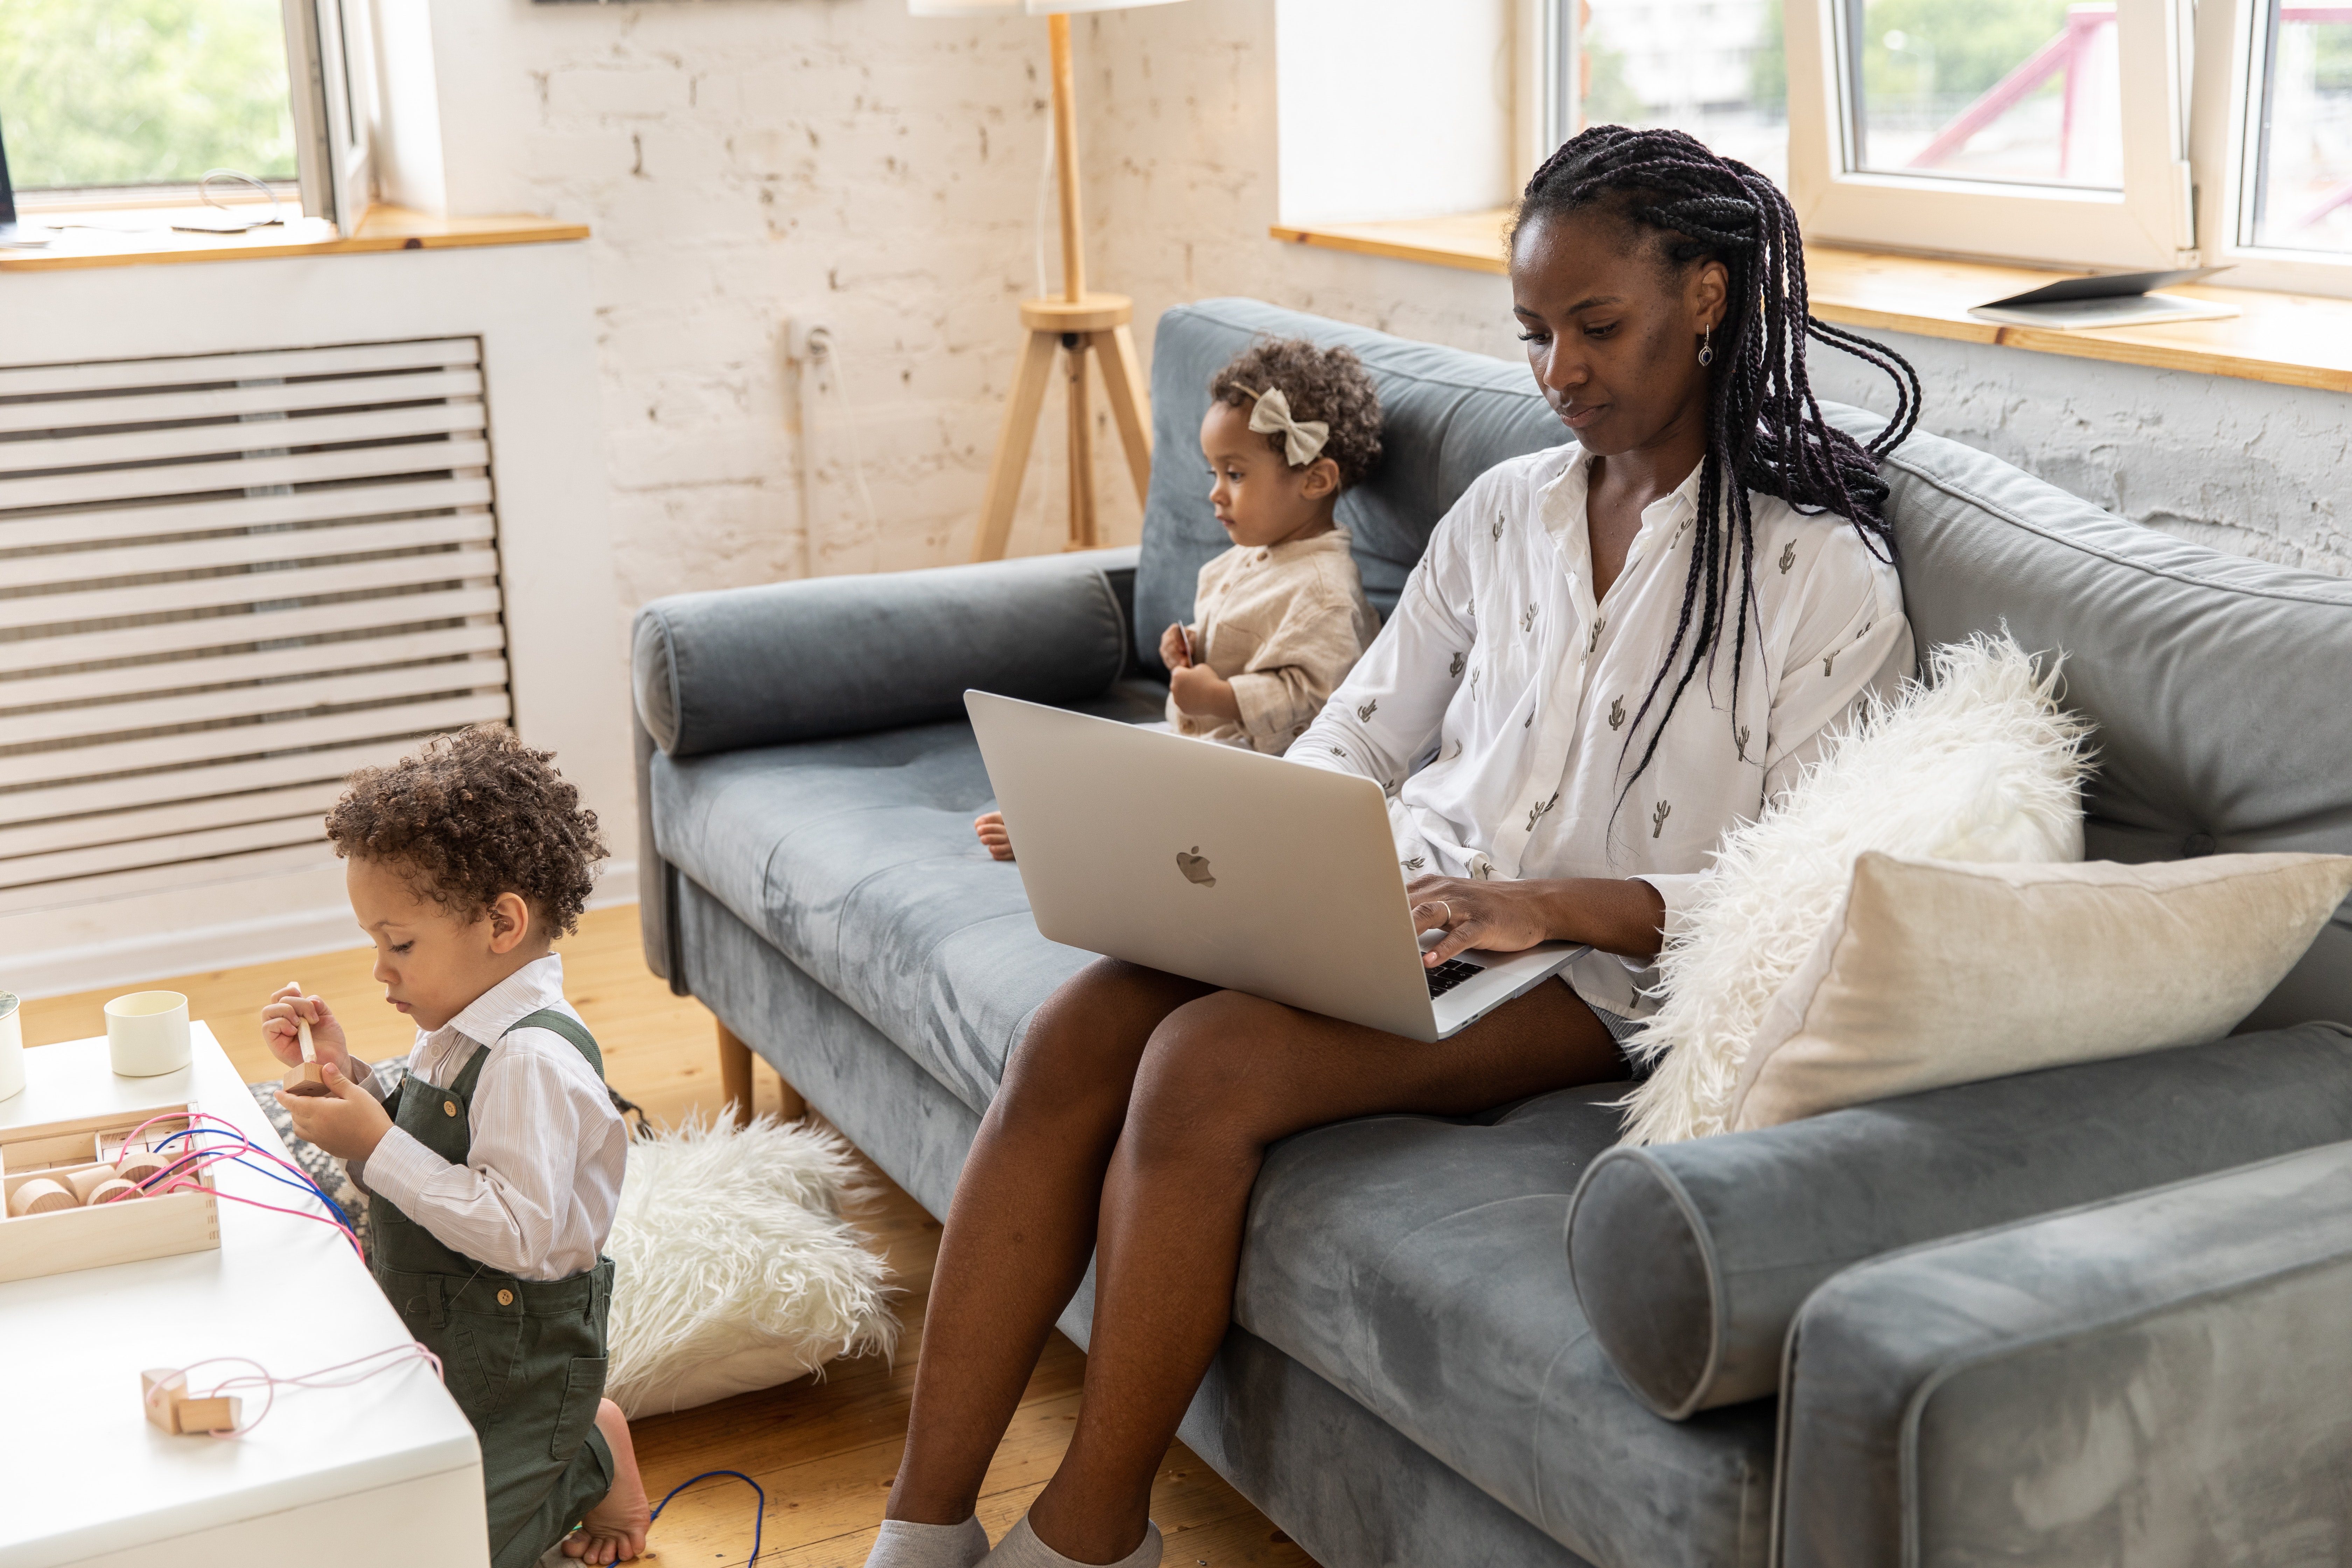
1074 326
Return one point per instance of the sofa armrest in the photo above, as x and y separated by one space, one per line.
741 667
1691 1259
2157 1378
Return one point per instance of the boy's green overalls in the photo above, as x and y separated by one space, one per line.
523 1358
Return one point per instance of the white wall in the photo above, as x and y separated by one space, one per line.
1393 109
2243 467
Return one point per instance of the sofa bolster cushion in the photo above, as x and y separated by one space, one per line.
737 667
1691 1259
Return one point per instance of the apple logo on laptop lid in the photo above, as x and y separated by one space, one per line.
1195 866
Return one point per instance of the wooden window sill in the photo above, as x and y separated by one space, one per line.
2294 340
383 228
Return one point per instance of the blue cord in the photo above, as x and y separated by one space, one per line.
305 1185
757 1519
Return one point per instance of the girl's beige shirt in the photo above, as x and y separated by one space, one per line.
1283 622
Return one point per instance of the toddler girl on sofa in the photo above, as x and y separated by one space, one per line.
1280 618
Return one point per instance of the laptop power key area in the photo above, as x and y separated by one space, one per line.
1449 974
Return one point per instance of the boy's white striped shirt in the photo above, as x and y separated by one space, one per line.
1497 703
535 1196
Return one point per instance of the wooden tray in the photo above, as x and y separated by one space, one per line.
160 1226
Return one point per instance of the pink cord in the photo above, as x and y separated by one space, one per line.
181 1173
412 1350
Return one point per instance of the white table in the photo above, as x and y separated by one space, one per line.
386 1472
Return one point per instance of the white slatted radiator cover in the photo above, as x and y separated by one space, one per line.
226 581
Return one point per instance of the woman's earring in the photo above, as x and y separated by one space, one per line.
1706 345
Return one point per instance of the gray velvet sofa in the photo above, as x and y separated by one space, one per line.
2102 1314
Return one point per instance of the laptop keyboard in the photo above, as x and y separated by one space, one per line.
1449 974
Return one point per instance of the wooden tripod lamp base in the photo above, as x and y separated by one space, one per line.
1096 323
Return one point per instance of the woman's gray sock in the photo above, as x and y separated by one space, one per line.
1021 1549
905 1545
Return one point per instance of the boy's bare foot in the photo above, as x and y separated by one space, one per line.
989 826
614 1529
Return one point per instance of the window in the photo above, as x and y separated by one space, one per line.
130 102
2273 142
1930 125
1717 68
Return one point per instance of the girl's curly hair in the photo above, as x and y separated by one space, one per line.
1329 384
471 816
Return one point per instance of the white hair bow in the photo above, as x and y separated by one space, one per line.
1302 438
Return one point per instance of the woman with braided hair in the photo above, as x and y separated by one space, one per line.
1611 652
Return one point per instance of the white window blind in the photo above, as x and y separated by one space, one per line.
226 581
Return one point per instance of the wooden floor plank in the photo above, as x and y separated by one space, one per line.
825 1448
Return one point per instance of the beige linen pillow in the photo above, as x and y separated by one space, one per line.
1939 971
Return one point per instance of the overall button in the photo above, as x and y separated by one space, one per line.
506 1297
448 1108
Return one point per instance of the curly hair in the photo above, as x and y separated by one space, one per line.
1329 384
471 816
1765 431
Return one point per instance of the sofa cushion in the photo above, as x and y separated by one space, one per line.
855 857
1414 1262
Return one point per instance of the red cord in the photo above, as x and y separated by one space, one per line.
410 1351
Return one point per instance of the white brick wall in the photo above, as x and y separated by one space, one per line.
744 160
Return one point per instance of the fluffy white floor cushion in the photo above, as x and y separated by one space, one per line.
736 1269
1980 763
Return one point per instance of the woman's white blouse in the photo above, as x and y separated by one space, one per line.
1496 705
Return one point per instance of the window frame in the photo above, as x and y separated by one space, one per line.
2222 133
2151 223
334 113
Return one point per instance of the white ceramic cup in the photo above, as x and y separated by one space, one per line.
12 1046
147 1033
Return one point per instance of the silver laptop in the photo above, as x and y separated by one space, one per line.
1240 871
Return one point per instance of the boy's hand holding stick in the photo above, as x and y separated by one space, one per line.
288 1026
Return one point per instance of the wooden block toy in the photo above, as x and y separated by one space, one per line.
306 1079
110 1192
163 1396
86 1182
41 1195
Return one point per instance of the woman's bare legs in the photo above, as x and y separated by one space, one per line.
1022 1227
1221 1077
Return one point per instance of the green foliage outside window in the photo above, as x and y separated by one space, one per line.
126 92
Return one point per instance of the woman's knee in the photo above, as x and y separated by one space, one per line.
1078 1055
1201 1091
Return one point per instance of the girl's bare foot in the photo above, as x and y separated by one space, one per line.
989 826
614 1529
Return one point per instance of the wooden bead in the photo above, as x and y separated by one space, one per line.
140 1165
85 1182
41 1195
110 1192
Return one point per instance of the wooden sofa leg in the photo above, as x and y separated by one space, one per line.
735 1081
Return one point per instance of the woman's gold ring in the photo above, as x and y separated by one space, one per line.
1449 913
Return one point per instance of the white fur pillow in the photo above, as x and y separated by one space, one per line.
734 1269
1979 765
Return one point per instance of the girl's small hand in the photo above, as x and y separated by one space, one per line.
1500 917
989 826
346 1120
1202 693
1173 653
284 1039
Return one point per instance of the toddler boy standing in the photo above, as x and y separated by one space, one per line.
495 1168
